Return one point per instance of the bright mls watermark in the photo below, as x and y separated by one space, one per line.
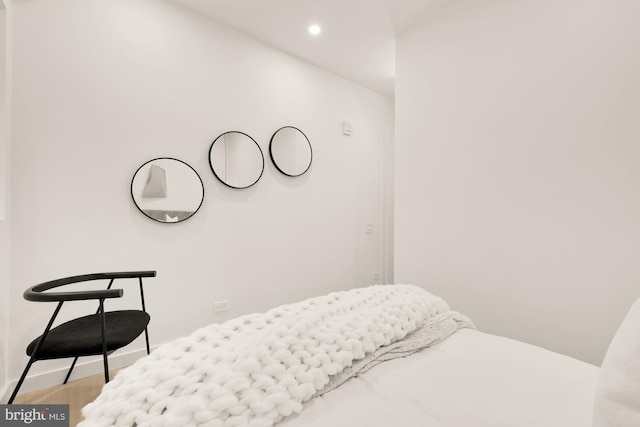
34 415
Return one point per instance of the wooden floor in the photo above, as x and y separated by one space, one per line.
76 394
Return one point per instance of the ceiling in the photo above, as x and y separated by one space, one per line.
357 39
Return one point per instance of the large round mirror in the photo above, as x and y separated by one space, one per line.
167 190
236 160
290 151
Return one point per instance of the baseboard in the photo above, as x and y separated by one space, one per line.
81 370
4 393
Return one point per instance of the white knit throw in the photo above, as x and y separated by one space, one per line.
259 368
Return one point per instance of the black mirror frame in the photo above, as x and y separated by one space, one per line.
274 161
177 160
220 179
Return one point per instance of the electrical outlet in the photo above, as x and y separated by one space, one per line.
368 227
220 306
376 277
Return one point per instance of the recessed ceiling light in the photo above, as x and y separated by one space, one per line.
314 30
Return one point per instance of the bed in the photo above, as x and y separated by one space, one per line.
377 356
470 379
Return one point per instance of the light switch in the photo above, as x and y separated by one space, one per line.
347 129
368 227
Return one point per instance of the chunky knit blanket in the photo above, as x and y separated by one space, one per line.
259 368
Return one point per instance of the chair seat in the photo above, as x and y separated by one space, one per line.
83 336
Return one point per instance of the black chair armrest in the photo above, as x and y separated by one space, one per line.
121 275
38 296
36 293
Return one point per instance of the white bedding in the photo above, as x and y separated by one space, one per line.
472 379
258 369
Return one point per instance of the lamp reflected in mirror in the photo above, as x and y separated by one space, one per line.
167 190
156 184
290 151
236 160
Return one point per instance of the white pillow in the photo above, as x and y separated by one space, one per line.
617 399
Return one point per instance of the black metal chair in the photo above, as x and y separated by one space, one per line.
99 333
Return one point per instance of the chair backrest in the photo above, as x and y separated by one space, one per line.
37 293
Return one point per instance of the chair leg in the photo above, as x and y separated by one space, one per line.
21 380
146 337
66 379
104 341
144 308
75 359
106 368
34 354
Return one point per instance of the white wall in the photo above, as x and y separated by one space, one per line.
5 258
3 113
100 87
517 178
5 231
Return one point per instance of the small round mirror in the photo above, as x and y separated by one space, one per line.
167 190
236 160
290 151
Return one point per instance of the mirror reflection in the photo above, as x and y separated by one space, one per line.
167 190
290 151
236 160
